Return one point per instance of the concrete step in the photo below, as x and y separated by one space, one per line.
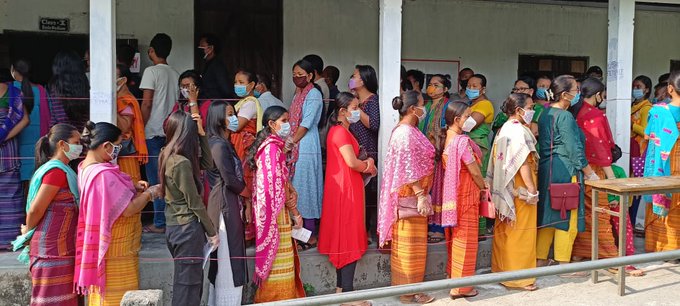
156 270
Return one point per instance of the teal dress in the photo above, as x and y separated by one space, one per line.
568 158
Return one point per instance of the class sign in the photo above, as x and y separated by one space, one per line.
54 24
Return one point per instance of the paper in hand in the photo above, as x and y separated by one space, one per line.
207 249
301 234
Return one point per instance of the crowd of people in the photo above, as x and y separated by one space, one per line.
230 174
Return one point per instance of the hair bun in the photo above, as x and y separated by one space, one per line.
397 103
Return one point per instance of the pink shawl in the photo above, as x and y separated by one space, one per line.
295 121
410 158
268 200
105 193
457 150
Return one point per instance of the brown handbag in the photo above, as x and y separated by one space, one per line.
563 196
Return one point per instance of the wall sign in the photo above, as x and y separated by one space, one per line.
55 24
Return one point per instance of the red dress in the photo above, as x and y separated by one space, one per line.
342 233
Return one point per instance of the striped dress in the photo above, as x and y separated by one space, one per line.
53 249
12 207
122 261
409 243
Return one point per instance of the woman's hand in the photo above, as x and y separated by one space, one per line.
141 186
248 212
155 191
424 205
214 241
298 222
193 93
199 122
24 229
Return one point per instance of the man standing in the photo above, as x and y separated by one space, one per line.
159 83
216 83
331 74
463 77
264 95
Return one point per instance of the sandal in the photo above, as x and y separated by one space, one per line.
419 298
434 239
472 293
575 275
302 246
153 229
629 270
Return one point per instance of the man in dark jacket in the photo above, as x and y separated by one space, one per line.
216 83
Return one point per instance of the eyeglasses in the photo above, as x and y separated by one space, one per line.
516 90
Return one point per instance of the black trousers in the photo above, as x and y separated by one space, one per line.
345 277
185 243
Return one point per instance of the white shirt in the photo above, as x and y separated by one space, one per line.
248 110
267 99
163 80
325 91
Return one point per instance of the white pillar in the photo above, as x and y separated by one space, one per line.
102 60
620 74
389 70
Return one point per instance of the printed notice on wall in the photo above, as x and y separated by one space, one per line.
55 24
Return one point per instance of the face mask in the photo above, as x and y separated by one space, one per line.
114 153
119 86
638 94
354 116
205 54
576 98
233 124
284 131
542 93
422 117
300 82
240 90
74 151
430 90
463 83
256 93
352 84
469 124
185 93
528 116
472 93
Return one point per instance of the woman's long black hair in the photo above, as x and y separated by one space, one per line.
70 85
216 123
272 113
23 67
184 142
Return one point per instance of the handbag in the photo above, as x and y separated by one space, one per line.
486 207
637 165
408 207
563 196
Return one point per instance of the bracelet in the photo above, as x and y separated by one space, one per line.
192 104
531 195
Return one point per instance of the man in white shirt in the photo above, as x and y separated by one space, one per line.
265 96
160 86
317 63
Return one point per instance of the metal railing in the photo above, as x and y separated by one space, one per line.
478 280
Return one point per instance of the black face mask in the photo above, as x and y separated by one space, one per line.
463 83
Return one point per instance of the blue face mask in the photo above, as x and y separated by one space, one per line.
256 93
638 94
240 90
354 116
576 98
284 132
472 93
542 93
233 123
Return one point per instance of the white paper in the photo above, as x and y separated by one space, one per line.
302 234
207 249
136 65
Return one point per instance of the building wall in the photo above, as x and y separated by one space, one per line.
135 19
487 36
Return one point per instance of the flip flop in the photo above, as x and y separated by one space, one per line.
529 288
420 299
575 275
629 270
472 293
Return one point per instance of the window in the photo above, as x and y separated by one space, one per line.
551 65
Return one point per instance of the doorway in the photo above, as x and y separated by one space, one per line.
251 32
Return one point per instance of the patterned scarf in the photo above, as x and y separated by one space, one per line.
105 193
138 137
511 148
455 150
295 121
410 158
15 111
268 200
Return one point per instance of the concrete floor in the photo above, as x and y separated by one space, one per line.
661 286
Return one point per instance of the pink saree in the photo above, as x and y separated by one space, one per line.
410 158
461 149
269 197
105 193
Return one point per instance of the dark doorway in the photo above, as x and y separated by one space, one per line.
251 32
551 65
39 48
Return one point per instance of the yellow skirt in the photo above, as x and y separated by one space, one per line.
130 166
122 262
409 250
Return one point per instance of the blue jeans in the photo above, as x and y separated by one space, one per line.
154 146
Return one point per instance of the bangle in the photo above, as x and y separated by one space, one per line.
192 104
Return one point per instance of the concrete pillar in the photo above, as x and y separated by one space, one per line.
389 70
103 60
620 74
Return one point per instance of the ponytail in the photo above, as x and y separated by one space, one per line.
43 153
46 146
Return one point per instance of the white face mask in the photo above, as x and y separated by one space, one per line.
354 116
119 86
528 116
74 151
469 124
185 93
421 117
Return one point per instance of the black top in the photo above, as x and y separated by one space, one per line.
216 83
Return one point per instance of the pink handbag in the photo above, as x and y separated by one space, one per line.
408 208
486 207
